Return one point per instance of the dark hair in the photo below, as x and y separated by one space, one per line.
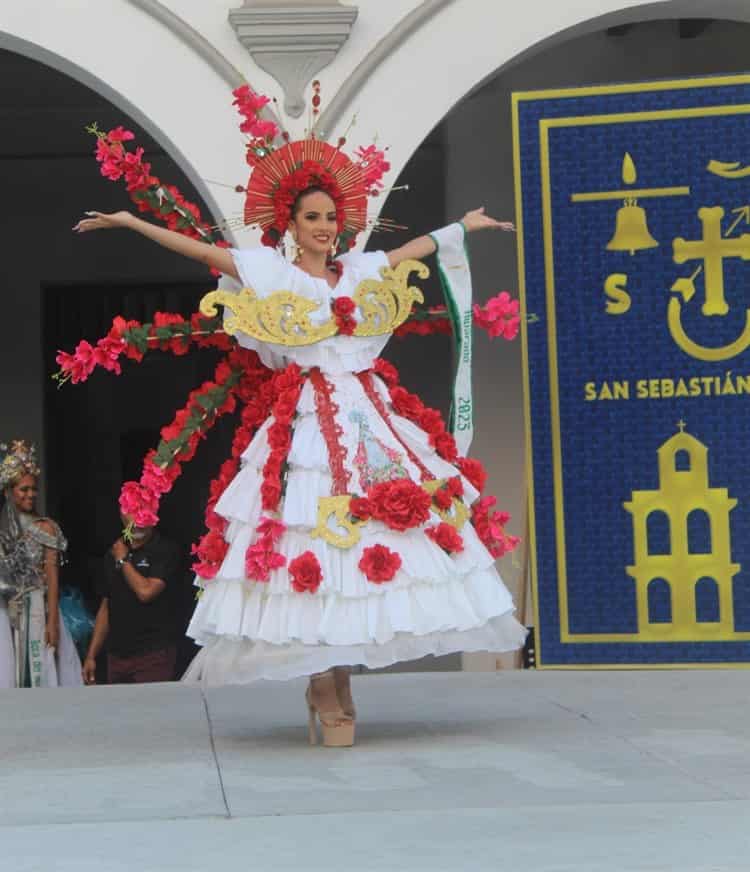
313 189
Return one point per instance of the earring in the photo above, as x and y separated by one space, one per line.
298 250
334 247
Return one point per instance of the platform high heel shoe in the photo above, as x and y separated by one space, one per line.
341 675
322 704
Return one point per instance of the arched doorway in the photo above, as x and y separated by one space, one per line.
59 287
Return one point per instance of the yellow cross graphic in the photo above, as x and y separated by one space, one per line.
712 249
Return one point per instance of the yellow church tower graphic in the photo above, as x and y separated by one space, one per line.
683 568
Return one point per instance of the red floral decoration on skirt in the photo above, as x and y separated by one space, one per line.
305 573
379 563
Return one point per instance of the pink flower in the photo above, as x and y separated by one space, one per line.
140 504
111 170
155 479
372 164
80 364
119 134
263 129
261 559
206 570
107 352
499 316
271 529
101 152
490 527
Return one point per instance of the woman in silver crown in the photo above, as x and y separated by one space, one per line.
36 650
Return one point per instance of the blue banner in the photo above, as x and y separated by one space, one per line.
634 220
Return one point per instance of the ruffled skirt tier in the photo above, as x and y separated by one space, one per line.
436 603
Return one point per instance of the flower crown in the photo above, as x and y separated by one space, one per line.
280 174
16 460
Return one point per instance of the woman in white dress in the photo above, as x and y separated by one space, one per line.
345 534
36 649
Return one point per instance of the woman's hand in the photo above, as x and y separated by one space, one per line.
88 672
102 221
52 631
477 220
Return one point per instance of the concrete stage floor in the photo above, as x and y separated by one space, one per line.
522 771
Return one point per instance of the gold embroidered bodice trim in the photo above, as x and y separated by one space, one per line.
283 318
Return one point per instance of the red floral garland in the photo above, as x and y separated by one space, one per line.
179 440
287 384
499 316
164 202
256 390
133 340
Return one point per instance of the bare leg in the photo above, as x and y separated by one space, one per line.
342 675
323 703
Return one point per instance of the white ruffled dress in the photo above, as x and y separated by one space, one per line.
437 602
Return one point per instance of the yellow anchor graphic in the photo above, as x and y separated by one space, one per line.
711 249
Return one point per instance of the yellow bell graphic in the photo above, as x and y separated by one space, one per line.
631 230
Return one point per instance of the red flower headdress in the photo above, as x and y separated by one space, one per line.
280 174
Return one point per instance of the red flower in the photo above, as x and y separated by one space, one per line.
155 479
271 529
270 492
446 537
387 371
431 421
273 464
346 326
379 563
120 134
139 504
473 471
360 508
261 559
304 572
499 316
343 306
287 379
490 527
213 547
443 498
445 445
286 406
455 486
399 504
406 404
279 438
242 437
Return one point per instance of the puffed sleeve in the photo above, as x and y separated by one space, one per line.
261 268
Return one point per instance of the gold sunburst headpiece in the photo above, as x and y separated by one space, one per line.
281 173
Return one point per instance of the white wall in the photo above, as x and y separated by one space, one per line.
154 75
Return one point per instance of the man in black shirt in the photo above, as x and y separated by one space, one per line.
137 613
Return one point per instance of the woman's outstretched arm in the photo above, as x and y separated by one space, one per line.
211 255
422 246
